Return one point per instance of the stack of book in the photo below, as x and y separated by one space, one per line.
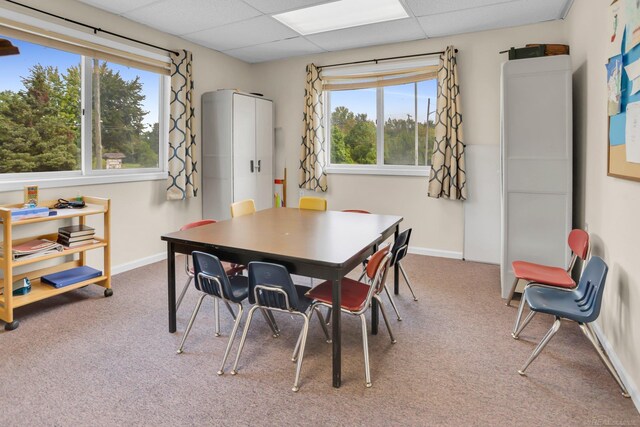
75 235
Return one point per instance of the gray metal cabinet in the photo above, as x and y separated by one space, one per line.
536 162
237 151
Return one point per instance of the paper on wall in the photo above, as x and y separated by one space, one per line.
632 19
635 86
616 22
633 70
614 81
632 130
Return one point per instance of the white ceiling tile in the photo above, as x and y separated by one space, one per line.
432 7
520 12
241 34
277 6
275 50
186 16
118 6
367 35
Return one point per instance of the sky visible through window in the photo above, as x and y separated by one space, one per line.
360 101
15 67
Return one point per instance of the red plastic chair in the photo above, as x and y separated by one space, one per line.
356 211
355 297
229 268
544 275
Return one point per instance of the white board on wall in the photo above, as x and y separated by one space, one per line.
482 207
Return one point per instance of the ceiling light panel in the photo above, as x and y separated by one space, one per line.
342 14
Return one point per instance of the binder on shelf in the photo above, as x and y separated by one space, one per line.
25 213
71 276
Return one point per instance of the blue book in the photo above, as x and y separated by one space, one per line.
71 276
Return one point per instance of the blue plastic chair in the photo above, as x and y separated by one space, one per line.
582 305
211 279
271 288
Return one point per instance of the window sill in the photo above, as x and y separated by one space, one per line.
79 180
378 170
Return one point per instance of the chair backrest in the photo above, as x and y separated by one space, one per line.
590 289
197 224
579 243
400 246
210 276
243 207
356 211
377 269
270 285
313 203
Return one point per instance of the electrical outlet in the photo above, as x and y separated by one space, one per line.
301 193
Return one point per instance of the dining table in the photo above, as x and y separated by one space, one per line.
319 244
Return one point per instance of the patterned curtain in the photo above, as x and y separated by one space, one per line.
448 177
181 183
313 156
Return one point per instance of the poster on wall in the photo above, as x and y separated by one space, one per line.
614 81
632 132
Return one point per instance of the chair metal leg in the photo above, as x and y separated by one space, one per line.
393 303
303 341
406 279
294 356
271 321
365 347
516 334
384 316
216 315
542 345
253 309
229 308
512 291
322 324
193 317
184 291
232 337
328 318
593 338
523 303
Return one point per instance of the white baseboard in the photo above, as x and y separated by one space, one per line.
138 263
435 252
632 388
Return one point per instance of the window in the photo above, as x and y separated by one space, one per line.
387 128
65 114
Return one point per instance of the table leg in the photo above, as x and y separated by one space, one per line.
374 309
171 285
396 267
336 334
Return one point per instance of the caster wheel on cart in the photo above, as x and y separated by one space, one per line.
11 326
108 292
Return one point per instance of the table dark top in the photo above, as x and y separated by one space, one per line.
325 237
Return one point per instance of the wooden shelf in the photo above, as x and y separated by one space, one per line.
40 291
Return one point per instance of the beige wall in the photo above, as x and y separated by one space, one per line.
609 206
140 211
437 224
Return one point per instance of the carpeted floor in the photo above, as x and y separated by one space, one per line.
81 359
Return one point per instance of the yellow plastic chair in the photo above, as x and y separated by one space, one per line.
243 207
313 203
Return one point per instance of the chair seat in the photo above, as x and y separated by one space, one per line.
239 288
303 300
353 293
544 274
556 302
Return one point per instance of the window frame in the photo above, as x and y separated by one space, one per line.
379 168
86 175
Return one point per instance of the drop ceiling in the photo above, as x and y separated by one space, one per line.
245 29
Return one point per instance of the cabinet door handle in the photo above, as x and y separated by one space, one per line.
251 165
258 165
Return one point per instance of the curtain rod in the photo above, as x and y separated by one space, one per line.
320 67
95 29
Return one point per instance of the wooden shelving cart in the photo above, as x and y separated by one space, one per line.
40 291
